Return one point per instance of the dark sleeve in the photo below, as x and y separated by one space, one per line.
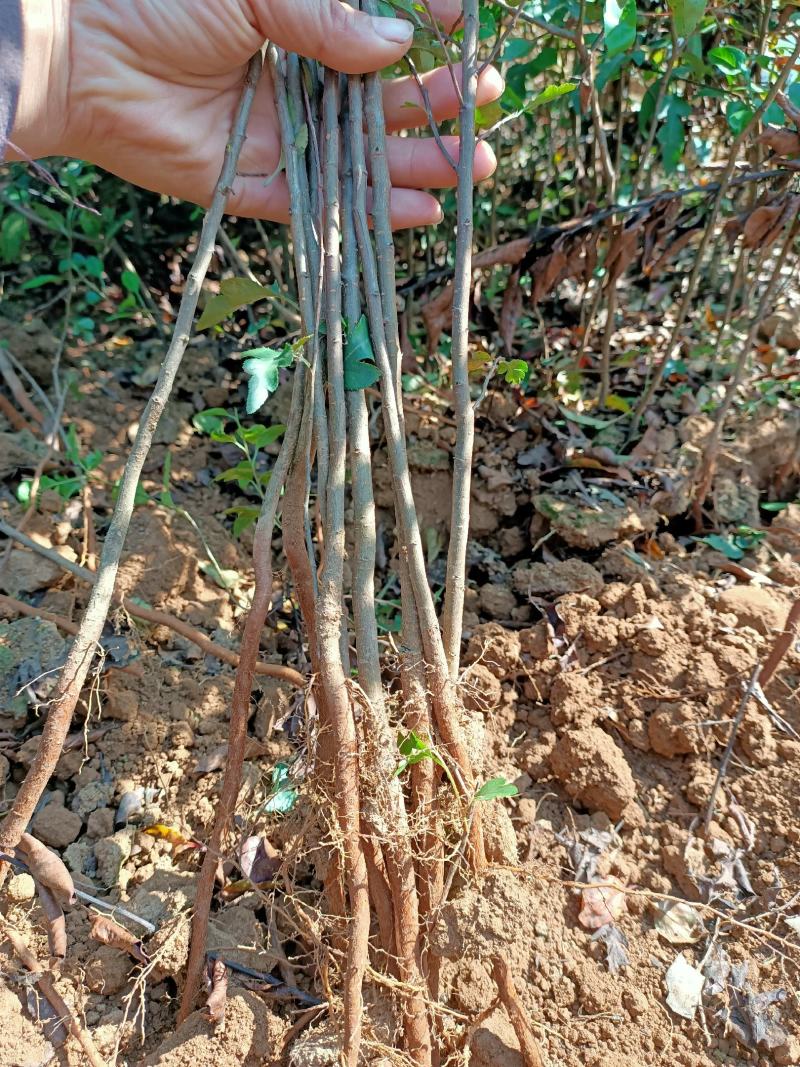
10 67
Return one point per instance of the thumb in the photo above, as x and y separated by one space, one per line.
333 33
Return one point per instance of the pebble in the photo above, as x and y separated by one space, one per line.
56 826
21 887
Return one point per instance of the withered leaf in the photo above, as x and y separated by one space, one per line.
759 224
218 997
47 869
56 923
546 273
783 142
602 904
616 945
258 859
107 932
672 250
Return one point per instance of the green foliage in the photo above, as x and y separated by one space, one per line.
496 789
414 750
225 427
620 26
514 371
360 371
263 367
687 15
234 293
70 482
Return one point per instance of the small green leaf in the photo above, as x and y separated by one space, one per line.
552 92
131 281
618 403
40 280
728 59
687 15
723 545
234 293
514 371
774 506
738 115
620 26
245 518
359 360
495 789
262 436
212 420
262 367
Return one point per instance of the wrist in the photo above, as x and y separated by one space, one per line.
40 125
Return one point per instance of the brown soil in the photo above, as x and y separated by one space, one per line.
604 672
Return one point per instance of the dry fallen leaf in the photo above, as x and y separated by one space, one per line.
684 987
107 932
602 903
680 924
218 997
48 870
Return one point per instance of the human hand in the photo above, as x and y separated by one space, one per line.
148 91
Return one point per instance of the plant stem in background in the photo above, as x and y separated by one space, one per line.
685 305
455 588
82 652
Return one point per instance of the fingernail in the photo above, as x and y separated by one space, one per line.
398 31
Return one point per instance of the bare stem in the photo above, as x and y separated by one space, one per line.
85 644
453 619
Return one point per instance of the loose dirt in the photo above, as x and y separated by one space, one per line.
606 653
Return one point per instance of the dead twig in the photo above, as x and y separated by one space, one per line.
139 611
45 982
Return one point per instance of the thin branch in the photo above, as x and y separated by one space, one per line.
155 618
722 187
82 652
541 24
455 585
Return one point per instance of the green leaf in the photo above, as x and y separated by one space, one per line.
495 789
584 420
243 474
414 750
14 232
283 796
686 15
620 25
245 518
212 420
131 282
516 50
262 436
728 59
262 367
552 92
618 403
359 360
738 115
234 293
671 135
774 506
723 545
514 371
40 280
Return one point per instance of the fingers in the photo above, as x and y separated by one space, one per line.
404 106
448 12
333 33
251 199
419 163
